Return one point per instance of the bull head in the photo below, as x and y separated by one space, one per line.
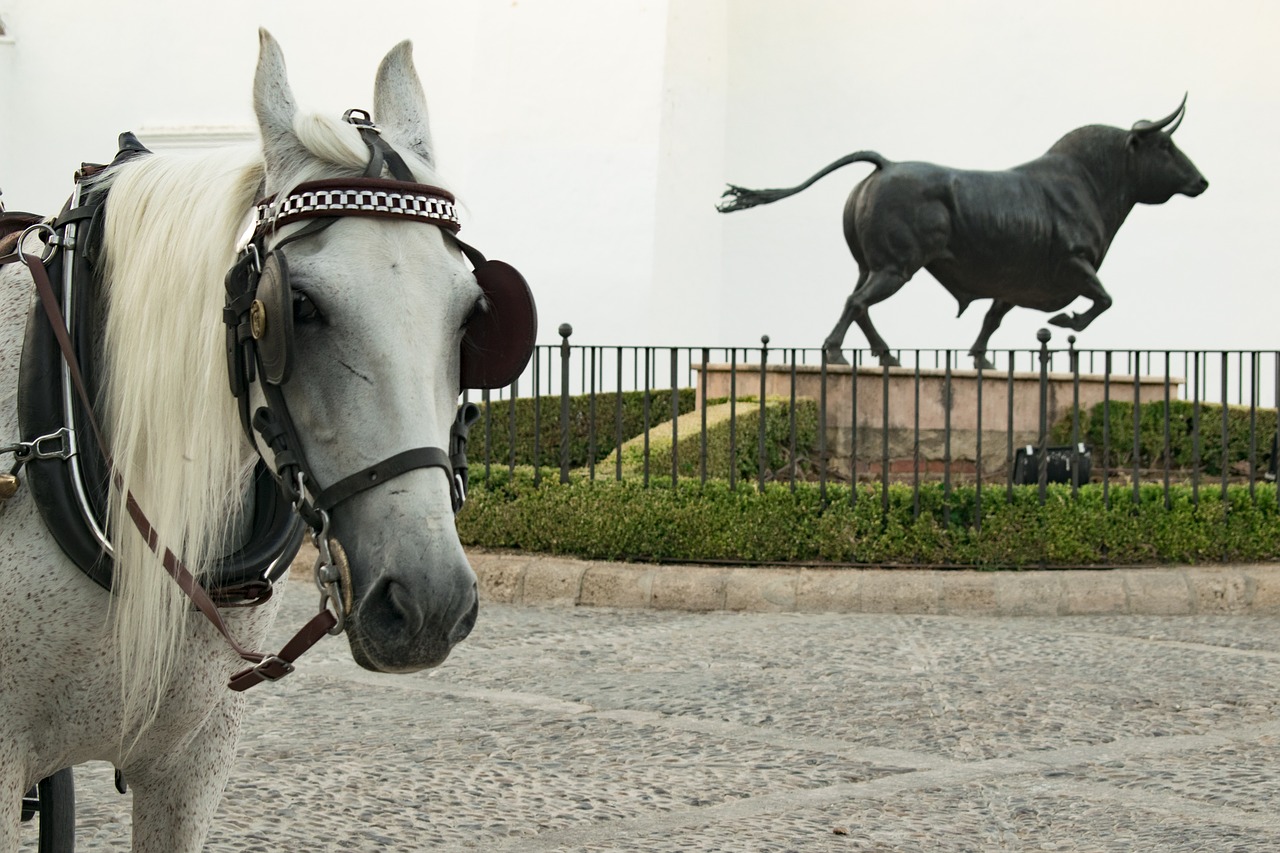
1160 170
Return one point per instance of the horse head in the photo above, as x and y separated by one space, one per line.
378 308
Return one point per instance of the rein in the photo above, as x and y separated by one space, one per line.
265 667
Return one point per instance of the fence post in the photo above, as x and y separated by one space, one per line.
1042 477
537 415
822 429
565 331
1075 417
675 417
702 404
760 458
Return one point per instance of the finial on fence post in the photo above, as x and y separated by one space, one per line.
760 452
1042 478
565 331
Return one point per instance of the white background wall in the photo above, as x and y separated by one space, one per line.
590 140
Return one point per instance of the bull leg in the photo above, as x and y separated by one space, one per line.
1090 288
990 323
872 288
834 340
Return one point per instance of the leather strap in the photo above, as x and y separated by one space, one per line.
265 667
379 473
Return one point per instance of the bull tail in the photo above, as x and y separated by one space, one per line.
740 198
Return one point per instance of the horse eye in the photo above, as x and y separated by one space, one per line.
480 307
304 310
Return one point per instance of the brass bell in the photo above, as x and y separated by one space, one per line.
8 486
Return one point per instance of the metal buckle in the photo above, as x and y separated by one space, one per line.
66 449
25 451
461 497
273 661
361 119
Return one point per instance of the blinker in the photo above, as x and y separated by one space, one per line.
499 342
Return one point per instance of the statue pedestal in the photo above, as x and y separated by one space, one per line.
920 409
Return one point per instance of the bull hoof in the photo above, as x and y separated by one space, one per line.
1069 321
887 360
835 356
981 362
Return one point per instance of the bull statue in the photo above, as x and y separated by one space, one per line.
1031 236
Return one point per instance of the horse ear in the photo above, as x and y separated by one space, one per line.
273 102
399 104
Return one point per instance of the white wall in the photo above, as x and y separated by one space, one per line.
562 156
990 84
590 140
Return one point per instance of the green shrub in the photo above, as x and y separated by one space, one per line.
491 435
1151 441
742 419
623 520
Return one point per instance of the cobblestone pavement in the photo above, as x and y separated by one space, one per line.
579 729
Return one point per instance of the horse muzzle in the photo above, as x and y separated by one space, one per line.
409 618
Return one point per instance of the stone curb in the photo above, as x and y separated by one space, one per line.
516 578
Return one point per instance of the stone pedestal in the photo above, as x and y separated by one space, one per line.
927 405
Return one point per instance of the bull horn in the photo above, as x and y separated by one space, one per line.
1145 126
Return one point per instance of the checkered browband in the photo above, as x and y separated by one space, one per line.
359 197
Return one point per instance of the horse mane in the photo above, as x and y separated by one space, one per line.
175 436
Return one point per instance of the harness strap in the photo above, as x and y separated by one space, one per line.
265 667
376 474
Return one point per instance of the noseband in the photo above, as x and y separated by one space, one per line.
259 319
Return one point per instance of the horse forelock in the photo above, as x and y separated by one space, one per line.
334 148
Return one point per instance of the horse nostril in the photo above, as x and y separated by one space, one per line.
467 622
403 605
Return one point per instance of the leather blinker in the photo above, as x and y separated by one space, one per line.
271 320
499 341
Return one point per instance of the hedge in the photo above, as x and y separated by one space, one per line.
623 520
498 451
1151 422
746 442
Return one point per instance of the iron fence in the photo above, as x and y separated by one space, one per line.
1118 418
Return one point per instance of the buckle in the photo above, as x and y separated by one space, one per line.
273 668
460 495
66 445
40 448
361 119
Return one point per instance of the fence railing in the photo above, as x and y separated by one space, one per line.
1119 418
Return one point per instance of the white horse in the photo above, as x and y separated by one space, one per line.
137 677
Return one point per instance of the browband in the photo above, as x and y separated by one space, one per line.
361 197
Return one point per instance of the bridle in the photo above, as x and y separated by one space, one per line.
259 320
258 316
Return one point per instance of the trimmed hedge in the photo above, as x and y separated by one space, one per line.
548 411
1151 419
607 519
746 444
